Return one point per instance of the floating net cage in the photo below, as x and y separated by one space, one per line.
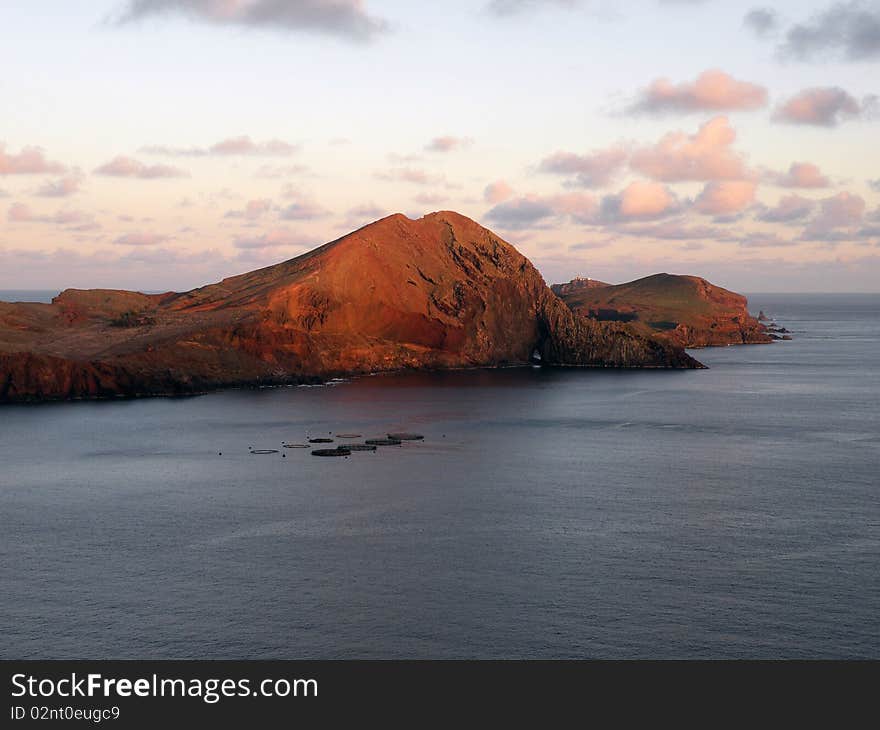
295 446
331 452
321 441
383 442
404 436
348 435
264 451
358 447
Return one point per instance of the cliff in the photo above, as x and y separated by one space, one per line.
438 292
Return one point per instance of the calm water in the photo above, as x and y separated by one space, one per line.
732 512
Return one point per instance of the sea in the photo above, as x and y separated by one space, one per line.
725 513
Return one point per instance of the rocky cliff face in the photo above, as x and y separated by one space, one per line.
686 311
439 292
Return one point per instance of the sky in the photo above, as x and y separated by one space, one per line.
165 144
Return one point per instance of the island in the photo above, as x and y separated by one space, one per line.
686 311
434 293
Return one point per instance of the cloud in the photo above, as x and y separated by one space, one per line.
765 240
448 144
497 192
529 211
61 188
30 161
303 210
843 210
504 8
845 30
788 209
712 90
874 185
591 170
343 18
19 213
252 210
244 145
674 230
367 210
801 175
229 147
590 245
72 219
823 107
122 166
706 155
140 239
279 237
409 174
276 172
430 198
761 21
640 200
724 197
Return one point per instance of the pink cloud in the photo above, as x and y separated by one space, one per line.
244 145
712 90
140 239
640 200
61 188
497 192
529 211
823 107
303 210
643 199
19 213
430 198
674 230
277 238
765 240
367 210
275 172
802 175
232 146
706 155
410 175
22 213
448 144
252 210
591 170
30 161
122 166
789 208
723 197
843 210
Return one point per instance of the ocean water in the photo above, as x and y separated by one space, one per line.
43 296
727 513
